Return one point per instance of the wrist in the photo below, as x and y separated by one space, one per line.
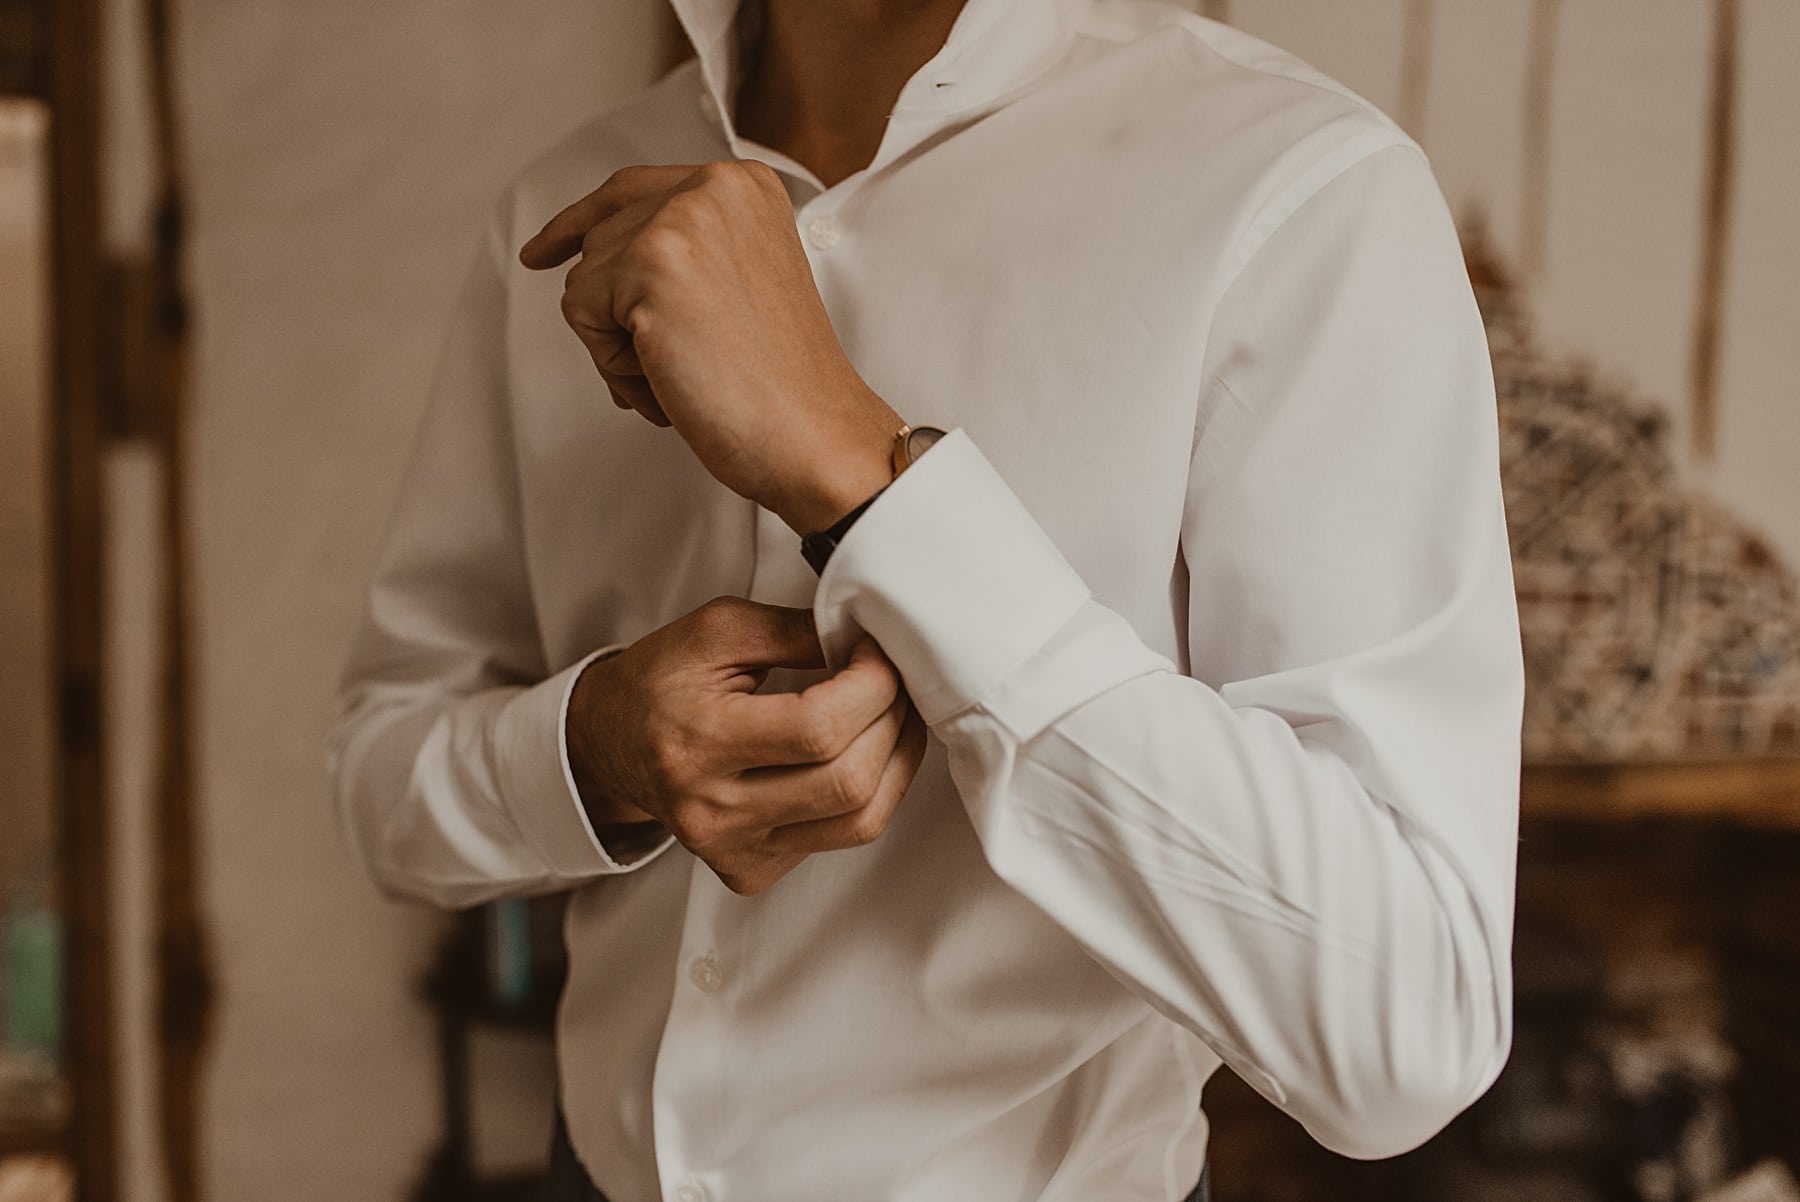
840 474
824 502
584 738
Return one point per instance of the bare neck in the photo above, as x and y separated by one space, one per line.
820 82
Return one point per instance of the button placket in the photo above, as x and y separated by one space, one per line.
696 1038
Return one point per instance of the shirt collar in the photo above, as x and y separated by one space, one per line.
994 48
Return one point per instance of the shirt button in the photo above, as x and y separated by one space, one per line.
690 1193
706 974
823 233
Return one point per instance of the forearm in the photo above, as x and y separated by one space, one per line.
1240 876
1309 867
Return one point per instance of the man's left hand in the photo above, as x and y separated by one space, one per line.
697 304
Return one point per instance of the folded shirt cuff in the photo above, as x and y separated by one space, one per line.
536 779
962 588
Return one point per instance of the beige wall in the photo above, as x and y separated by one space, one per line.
342 155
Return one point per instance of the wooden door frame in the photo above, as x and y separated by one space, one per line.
77 614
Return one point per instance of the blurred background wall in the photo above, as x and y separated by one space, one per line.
337 158
341 157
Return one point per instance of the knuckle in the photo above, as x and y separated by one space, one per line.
669 760
853 784
867 779
639 320
694 826
720 615
816 739
680 821
730 604
661 243
687 210
843 795
747 885
721 173
704 734
744 874
866 829
709 615
757 172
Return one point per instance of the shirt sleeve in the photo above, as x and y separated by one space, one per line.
448 759
1302 849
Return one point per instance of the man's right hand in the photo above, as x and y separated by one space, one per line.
671 730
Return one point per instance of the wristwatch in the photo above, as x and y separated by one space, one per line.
910 442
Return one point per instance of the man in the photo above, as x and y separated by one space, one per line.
1204 600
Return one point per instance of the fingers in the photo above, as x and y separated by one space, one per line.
633 392
812 727
609 345
858 828
731 767
753 868
759 873
779 796
562 235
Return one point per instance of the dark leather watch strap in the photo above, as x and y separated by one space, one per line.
817 548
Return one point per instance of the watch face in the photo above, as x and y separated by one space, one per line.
920 440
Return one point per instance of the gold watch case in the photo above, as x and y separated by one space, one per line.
913 441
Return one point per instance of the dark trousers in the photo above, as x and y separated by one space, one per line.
567 1181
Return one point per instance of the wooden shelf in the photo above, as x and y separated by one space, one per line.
1757 793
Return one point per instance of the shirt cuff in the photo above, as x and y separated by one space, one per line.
537 780
953 577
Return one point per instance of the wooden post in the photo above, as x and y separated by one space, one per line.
1540 88
1715 230
78 519
1415 66
185 989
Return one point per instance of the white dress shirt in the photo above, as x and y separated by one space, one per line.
1206 601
